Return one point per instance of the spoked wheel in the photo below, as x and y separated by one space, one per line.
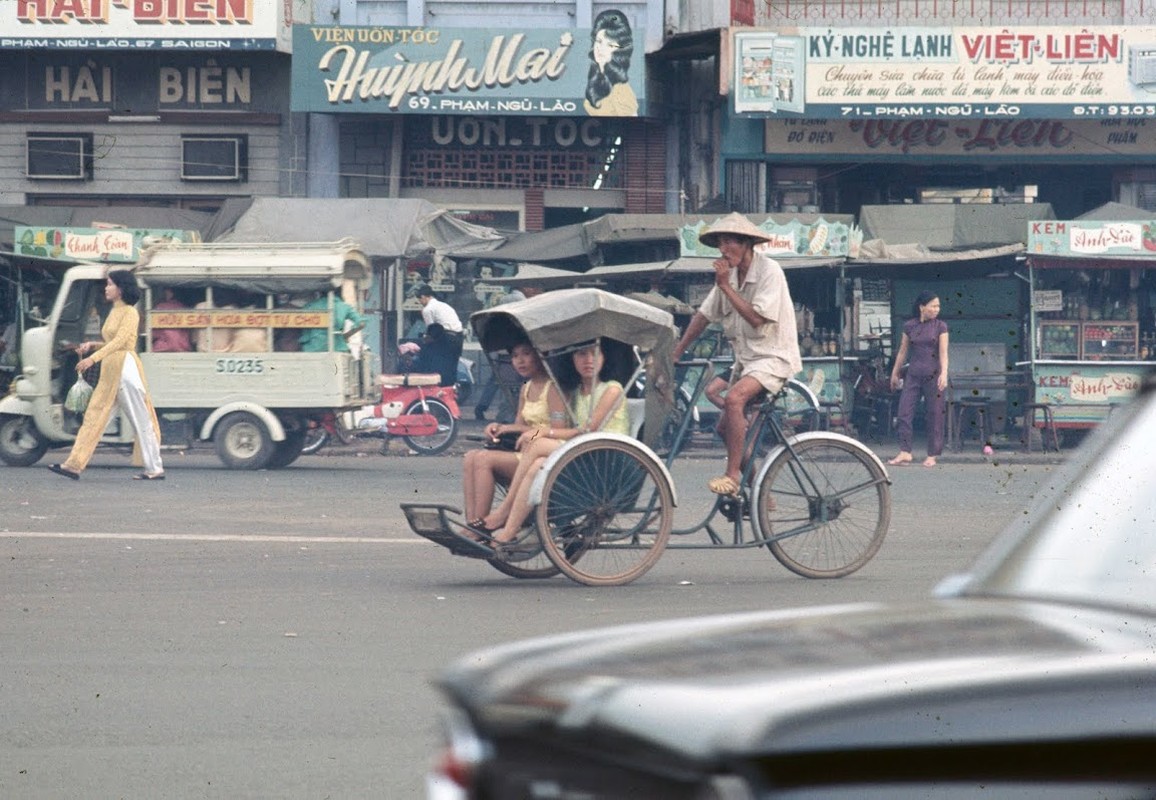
667 447
538 566
443 437
606 512
832 507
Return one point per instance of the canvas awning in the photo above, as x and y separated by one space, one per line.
384 227
538 275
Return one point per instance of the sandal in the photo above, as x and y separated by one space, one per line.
900 461
724 484
59 470
144 476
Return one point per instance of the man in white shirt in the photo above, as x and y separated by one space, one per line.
435 311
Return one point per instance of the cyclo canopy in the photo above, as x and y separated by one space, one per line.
559 320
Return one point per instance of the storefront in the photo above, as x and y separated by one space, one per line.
494 125
1093 334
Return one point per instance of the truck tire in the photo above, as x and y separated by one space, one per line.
243 442
288 451
21 445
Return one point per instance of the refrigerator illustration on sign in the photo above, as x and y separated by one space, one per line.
768 73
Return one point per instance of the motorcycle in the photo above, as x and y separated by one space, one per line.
413 407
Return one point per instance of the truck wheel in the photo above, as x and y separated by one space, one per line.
243 442
288 451
21 445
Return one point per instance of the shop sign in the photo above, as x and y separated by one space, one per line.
509 71
114 245
1079 238
144 83
1082 396
223 318
1047 300
1038 72
793 239
145 24
961 139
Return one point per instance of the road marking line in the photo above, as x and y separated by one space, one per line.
211 537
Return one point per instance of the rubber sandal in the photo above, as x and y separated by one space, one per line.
724 484
59 470
144 476
900 462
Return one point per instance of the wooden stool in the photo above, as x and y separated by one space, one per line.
1049 427
979 409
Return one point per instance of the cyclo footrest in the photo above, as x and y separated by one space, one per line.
433 522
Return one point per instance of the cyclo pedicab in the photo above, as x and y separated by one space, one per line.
603 503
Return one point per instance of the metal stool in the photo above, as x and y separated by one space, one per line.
979 411
1049 427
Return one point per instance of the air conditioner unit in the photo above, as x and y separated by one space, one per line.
214 158
1142 64
59 157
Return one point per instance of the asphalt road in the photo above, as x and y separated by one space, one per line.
275 634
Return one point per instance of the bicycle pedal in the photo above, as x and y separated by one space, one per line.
731 508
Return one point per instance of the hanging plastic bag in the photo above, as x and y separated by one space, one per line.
78 396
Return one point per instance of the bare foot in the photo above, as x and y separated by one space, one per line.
929 461
899 460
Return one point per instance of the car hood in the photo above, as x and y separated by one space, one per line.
707 689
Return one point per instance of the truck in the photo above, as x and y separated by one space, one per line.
255 403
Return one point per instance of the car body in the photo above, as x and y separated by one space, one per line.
1034 674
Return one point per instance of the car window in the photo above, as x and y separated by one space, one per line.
1093 538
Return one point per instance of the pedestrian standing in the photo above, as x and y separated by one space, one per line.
923 350
751 299
121 385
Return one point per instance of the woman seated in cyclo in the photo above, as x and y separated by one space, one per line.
540 405
595 404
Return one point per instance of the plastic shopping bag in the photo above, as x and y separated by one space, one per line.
78 396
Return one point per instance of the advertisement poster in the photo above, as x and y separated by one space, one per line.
1106 239
983 72
598 72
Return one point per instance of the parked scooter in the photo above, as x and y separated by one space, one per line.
413 406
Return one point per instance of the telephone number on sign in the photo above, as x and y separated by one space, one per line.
240 366
1114 111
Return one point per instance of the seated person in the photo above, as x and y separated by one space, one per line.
316 340
171 340
219 339
249 340
437 355
595 404
540 407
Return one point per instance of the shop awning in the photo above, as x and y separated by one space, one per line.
538 275
384 227
952 227
877 252
688 265
94 216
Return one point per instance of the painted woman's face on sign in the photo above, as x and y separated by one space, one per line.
604 49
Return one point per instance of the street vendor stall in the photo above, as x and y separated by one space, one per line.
1093 290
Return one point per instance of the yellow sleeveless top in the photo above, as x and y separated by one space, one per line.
535 411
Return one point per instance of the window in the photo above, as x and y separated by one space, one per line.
214 158
60 156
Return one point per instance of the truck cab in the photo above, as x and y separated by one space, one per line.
262 356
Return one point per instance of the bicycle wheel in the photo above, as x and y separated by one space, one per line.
606 512
831 507
440 439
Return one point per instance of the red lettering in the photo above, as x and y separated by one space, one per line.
197 12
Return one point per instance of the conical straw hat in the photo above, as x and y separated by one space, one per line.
735 224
